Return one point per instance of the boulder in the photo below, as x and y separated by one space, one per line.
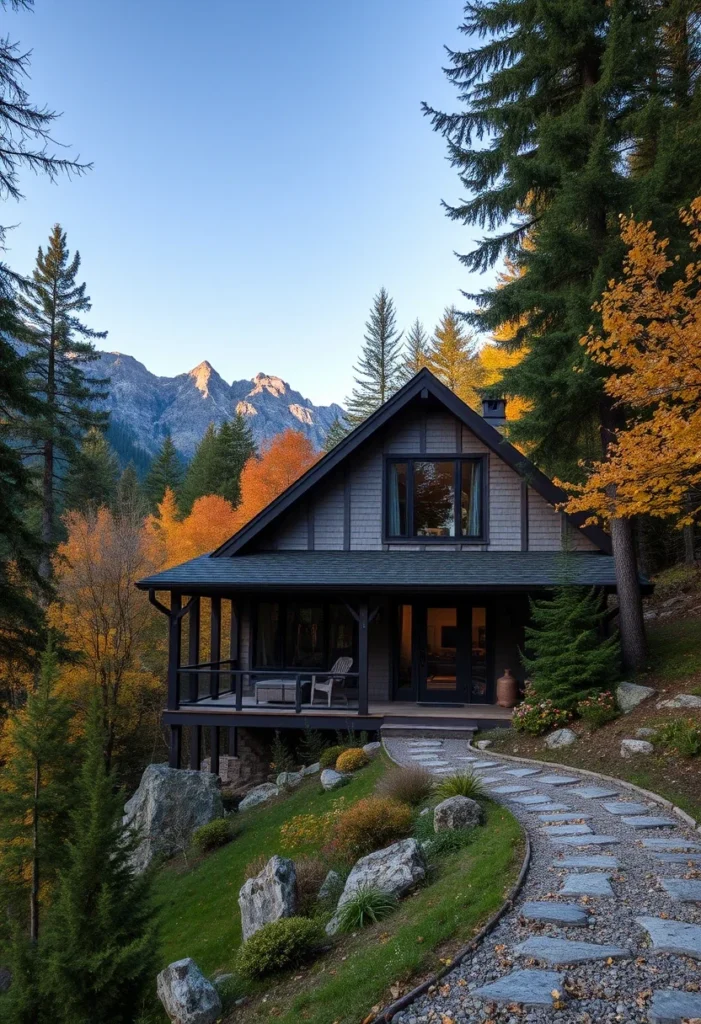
329 886
395 870
633 748
456 812
271 895
629 695
331 779
168 806
187 996
288 780
372 748
644 733
312 769
682 700
560 738
258 795
483 744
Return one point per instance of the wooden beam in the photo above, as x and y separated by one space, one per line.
215 645
193 653
214 750
363 657
195 747
174 637
176 736
524 515
233 741
346 510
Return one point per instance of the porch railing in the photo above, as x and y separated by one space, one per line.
230 681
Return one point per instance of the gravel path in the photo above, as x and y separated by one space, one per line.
609 916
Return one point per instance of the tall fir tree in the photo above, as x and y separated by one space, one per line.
336 432
416 350
378 373
61 347
128 497
235 446
92 482
35 797
454 360
166 471
100 950
201 475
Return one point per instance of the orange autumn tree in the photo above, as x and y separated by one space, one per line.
173 540
499 353
651 344
281 461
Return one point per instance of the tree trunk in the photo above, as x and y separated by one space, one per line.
630 616
34 886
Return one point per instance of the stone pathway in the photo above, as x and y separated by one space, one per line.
607 927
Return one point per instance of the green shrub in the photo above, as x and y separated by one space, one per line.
682 736
440 844
367 905
351 760
409 785
311 745
281 759
369 825
329 756
538 716
215 833
460 784
278 946
597 711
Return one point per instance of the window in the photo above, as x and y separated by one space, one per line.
304 642
302 635
267 646
435 499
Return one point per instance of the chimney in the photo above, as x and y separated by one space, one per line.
494 411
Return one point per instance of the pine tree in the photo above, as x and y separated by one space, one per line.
453 359
415 351
379 367
336 432
128 497
166 471
100 949
61 347
235 446
92 482
201 476
35 796
567 658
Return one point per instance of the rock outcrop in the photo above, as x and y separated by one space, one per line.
629 695
271 895
634 748
560 738
186 995
456 812
395 870
258 795
331 779
168 806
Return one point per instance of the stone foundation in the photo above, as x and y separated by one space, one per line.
250 767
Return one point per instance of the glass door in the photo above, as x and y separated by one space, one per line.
452 662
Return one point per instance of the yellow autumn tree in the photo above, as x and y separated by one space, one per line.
651 345
454 359
498 354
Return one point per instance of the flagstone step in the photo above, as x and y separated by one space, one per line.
523 772
486 764
685 890
554 913
562 816
622 808
490 779
567 951
671 1006
528 988
595 861
537 808
592 840
670 844
678 858
508 790
593 792
586 884
557 780
431 764
566 830
535 798
649 821
669 936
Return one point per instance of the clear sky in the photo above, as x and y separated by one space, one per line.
261 169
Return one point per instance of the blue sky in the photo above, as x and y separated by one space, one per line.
260 170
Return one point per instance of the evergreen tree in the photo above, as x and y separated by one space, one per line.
235 446
567 658
166 471
415 351
128 498
453 359
61 347
100 949
379 367
35 796
201 476
92 482
336 432
124 442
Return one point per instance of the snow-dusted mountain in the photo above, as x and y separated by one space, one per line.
148 407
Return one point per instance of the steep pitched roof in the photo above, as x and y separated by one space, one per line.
422 385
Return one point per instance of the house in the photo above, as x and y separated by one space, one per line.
410 551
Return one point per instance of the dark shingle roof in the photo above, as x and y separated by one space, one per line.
388 570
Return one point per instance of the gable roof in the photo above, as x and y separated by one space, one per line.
422 385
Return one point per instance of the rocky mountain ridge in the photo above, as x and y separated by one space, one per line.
148 407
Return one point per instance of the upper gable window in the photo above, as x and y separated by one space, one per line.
435 499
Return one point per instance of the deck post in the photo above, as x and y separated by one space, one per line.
214 750
175 745
215 646
195 747
363 657
174 635
193 655
233 741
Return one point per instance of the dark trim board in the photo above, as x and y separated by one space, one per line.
342 719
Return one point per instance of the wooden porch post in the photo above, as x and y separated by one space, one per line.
363 657
174 637
193 655
215 645
175 745
233 741
214 750
195 747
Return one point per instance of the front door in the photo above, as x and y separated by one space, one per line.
451 658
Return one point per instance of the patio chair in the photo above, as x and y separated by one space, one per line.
340 666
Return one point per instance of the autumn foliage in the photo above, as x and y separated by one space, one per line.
282 461
651 344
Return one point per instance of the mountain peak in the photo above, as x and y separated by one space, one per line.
273 385
202 374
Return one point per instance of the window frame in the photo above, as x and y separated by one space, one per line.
281 638
457 538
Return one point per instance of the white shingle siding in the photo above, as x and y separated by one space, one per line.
328 518
578 541
544 524
404 437
441 433
292 535
366 502
504 507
